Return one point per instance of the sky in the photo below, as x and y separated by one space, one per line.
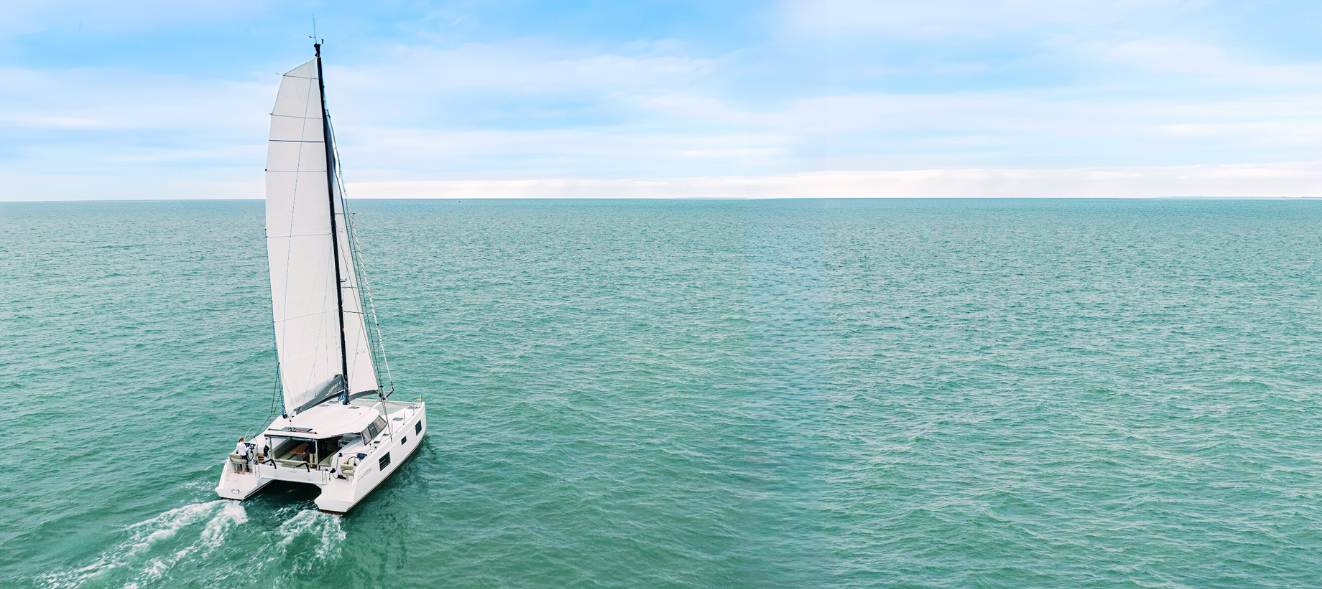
829 98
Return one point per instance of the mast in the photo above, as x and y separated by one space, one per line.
335 245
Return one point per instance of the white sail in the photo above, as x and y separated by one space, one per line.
302 260
362 374
322 342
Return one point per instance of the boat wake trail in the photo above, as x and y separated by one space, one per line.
210 544
155 546
310 533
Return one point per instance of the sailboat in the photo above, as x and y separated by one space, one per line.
337 429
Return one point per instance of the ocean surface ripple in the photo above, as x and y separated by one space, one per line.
825 393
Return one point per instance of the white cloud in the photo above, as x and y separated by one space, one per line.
123 134
69 16
937 18
171 184
377 152
127 99
412 77
1180 56
521 109
1288 179
1256 180
1023 119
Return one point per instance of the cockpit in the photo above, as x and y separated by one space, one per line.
312 440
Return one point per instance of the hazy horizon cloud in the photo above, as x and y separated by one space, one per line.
837 98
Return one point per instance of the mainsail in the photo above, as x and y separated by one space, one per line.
303 254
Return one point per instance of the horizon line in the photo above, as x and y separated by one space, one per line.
686 198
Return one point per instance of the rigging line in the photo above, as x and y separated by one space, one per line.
375 344
381 342
275 393
358 272
355 258
360 275
354 261
356 254
275 390
376 324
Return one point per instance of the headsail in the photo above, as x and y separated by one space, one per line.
362 373
302 259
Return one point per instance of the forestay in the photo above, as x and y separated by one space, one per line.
302 260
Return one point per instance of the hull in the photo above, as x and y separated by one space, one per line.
341 489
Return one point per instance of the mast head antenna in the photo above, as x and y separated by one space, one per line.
315 44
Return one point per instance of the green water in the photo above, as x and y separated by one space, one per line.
668 393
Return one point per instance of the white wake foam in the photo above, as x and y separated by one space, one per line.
181 542
134 556
323 529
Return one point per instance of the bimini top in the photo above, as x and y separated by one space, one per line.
326 420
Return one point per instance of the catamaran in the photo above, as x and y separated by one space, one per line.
337 429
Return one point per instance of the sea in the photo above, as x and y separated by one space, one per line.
688 393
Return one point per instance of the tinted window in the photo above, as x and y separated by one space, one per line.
417 429
385 461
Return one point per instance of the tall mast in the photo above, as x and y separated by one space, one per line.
335 243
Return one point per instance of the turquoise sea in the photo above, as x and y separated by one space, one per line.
825 393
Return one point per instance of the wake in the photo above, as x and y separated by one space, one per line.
211 543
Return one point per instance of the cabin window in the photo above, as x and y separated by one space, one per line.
404 441
417 429
385 461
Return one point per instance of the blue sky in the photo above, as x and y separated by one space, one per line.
829 98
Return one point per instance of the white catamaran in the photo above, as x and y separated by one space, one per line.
337 430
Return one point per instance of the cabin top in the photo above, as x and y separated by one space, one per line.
326 420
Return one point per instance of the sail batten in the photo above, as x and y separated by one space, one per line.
300 196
